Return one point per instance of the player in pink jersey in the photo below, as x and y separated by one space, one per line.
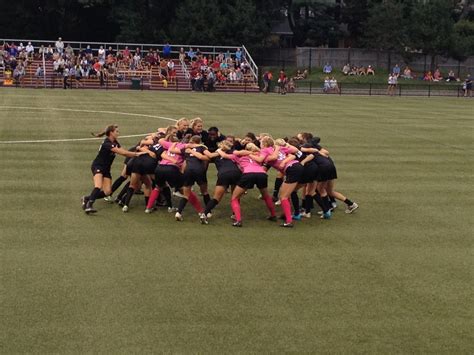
168 172
281 156
253 174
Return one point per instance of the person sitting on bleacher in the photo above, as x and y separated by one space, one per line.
59 45
370 70
18 73
191 55
239 76
30 50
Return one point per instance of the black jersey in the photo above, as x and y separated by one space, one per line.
193 163
106 157
211 144
226 165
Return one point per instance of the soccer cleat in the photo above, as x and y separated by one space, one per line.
209 215
274 198
334 205
306 215
260 197
172 209
352 208
326 215
178 216
237 224
286 225
278 203
232 217
178 194
109 199
296 217
84 201
203 218
125 208
272 218
149 210
90 209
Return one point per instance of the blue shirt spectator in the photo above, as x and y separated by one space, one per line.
327 69
167 50
396 70
238 54
191 53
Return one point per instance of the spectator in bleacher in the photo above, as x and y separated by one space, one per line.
346 69
220 57
49 53
136 59
66 83
88 52
370 70
327 69
333 85
191 54
150 58
182 54
232 77
101 54
428 76
437 76
13 50
69 51
59 45
451 76
21 47
58 65
198 53
18 73
239 76
407 73
396 70
30 50
167 50
227 56
126 52
220 78
164 67
170 65
39 74
238 56
79 73
110 51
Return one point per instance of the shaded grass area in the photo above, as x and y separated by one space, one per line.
394 277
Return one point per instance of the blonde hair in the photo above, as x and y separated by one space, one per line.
252 147
267 141
170 130
263 135
224 146
280 141
180 121
195 121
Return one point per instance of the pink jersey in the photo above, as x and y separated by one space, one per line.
248 165
178 157
282 155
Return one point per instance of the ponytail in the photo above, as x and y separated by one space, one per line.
109 129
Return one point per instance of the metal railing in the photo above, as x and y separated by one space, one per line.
144 48
372 89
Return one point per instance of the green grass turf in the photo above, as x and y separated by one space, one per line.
397 276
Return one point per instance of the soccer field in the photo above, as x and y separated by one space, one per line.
396 276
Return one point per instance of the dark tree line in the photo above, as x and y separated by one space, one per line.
432 26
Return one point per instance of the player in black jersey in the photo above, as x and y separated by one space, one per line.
194 172
143 168
228 175
101 167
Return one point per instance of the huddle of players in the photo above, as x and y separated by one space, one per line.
178 157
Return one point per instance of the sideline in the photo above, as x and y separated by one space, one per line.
83 111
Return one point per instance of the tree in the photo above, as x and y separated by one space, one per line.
463 40
354 14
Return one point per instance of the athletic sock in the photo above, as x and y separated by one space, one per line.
129 196
93 196
296 202
348 202
269 202
119 181
211 205
332 199
167 194
182 204
206 198
286 207
308 199
327 200
101 194
235 204
123 191
152 199
147 198
193 200
276 189
320 201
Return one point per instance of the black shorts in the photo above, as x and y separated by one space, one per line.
129 164
327 172
168 174
104 170
143 166
294 173
310 174
229 178
194 176
249 180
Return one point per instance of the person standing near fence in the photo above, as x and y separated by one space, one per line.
467 86
267 81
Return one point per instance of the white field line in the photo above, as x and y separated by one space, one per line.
83 111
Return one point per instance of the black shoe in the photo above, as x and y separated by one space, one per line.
90 208
286 225
275 198
84 201
272 218
237 224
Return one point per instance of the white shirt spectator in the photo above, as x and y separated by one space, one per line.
170 65
59 45
232 76
101 53
39 72
20 47
29 48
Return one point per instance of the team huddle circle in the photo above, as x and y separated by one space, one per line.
174 159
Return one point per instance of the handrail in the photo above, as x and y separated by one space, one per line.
185 69
253 66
